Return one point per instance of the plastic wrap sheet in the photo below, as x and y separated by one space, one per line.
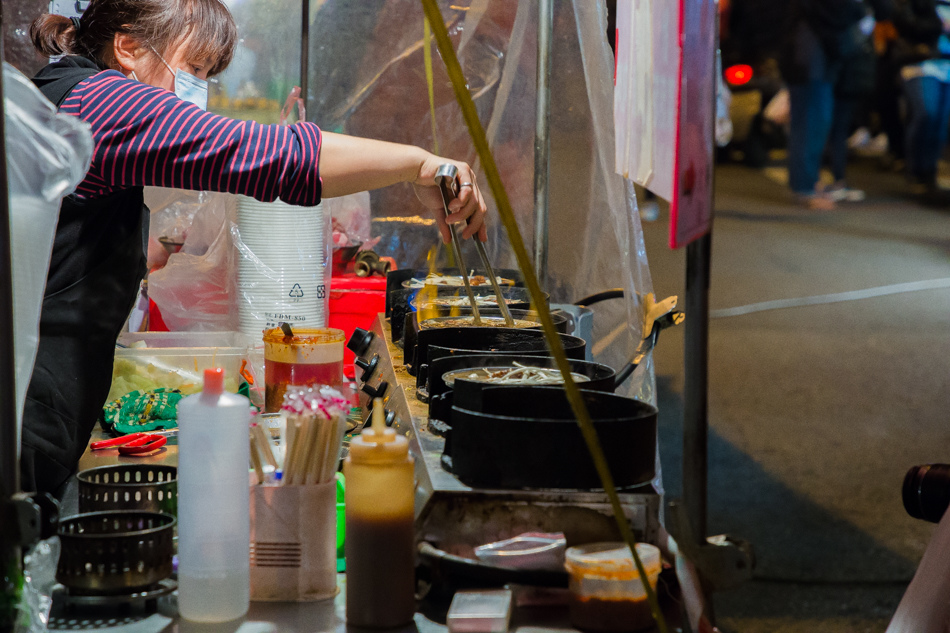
47 155
368 78
266 64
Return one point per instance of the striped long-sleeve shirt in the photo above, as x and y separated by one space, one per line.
148 136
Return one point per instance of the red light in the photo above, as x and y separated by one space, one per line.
739 75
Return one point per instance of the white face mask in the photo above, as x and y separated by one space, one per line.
187 87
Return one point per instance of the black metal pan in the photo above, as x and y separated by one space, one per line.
399 299
475 340
413 327
441 395
527 437
433 344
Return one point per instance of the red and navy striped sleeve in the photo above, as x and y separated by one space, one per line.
148 136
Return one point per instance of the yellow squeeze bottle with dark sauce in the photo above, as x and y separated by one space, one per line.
380 540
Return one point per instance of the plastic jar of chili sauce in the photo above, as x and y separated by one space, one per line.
309 357
606 591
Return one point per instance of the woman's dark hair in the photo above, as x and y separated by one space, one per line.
204 27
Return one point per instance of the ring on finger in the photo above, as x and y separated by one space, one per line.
465 184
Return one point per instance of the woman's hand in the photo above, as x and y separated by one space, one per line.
349 164
468 206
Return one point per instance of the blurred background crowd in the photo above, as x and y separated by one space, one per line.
816 82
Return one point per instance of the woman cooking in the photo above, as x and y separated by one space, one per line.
136 71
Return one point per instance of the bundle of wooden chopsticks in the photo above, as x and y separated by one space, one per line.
262 452
312 438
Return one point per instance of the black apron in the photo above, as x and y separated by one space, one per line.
97 265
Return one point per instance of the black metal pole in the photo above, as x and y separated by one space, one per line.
695 384
305 54
696 345
11 568
542 141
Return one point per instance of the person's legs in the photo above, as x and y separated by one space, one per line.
943 122
889 108
811 111
842 118
923 146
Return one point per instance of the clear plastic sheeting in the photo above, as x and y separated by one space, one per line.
367 78
266 64
47 156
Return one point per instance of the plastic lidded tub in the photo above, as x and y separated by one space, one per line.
309 357
606 591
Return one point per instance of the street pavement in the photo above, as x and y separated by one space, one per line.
816 411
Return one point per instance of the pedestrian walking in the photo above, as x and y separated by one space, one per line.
923 52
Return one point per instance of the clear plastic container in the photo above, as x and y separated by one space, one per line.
480 611
176 360
213 503
309 357
606 591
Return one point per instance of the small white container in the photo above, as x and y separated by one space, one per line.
480 612
606 591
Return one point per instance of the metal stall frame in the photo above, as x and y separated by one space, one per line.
542 143
11 564
25 518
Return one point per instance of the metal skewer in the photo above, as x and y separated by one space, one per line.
445 177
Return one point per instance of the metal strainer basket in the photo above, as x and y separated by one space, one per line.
115 552
148 487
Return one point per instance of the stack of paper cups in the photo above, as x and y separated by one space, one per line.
283 259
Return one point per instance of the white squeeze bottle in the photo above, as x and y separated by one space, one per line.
213 514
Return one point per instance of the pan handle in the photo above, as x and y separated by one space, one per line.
625 373
614 293
674 317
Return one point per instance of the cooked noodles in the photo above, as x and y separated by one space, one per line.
517 375
433 279
469 321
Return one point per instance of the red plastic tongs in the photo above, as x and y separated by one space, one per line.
132 444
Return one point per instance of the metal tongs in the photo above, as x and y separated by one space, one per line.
447 179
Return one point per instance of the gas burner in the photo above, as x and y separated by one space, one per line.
148 597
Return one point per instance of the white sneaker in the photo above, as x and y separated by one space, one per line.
878 145
860 138
842 193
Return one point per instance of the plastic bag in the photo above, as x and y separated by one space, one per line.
173 212
47 156
195 289
532 550
39 578
351 220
